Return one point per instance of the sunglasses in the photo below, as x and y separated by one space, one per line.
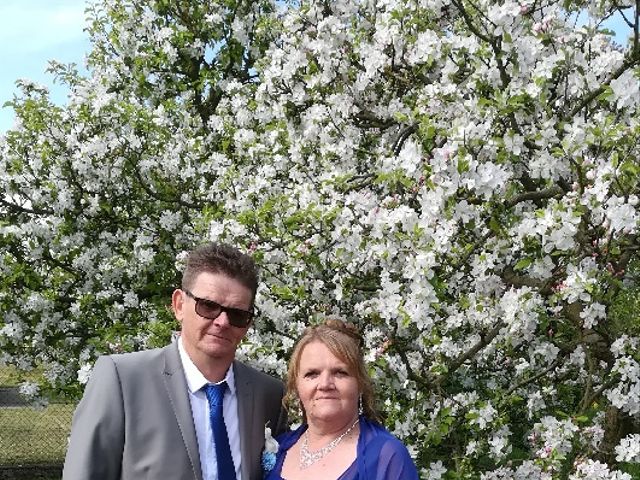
212 310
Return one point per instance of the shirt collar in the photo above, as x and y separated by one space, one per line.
195 378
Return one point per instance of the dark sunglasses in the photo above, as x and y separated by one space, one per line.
212 310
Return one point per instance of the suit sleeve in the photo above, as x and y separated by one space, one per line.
97 431
282 425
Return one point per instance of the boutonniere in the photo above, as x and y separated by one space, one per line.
269 452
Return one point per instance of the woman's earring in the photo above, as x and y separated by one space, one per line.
360 407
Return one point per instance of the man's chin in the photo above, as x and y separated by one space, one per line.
218 349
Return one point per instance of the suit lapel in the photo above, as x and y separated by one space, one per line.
177 390
245 416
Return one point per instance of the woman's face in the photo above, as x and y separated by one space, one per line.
327 388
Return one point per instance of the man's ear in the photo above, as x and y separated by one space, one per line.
177 304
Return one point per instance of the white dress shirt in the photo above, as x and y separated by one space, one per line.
200 412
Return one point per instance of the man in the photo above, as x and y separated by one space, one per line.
146 415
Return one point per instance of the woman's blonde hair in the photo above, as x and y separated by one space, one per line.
345 342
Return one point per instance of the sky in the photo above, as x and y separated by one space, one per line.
32 32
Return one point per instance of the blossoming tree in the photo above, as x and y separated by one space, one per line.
458 178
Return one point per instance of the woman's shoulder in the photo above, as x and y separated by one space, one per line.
384 455
288 438
375 429
381 438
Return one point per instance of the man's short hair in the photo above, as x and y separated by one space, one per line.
224 259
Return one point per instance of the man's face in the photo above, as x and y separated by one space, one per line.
206 340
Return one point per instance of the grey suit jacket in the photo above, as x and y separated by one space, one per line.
134 420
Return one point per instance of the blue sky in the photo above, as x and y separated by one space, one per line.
32 32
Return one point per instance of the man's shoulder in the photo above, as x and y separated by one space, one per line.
139 357
244 370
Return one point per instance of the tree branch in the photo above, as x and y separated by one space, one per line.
589 97
402 137
547 193
484 341
21 209
538 375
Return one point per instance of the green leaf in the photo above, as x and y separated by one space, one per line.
523 264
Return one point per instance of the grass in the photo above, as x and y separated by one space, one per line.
30 437
631 469
9 377
12 377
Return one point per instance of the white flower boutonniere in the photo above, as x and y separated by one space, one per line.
269 452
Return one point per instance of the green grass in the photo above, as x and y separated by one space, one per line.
31 436
631 469
11 377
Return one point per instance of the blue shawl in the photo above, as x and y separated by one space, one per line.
381 456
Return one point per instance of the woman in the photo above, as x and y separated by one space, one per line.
340 437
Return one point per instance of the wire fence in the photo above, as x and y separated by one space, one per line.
33 440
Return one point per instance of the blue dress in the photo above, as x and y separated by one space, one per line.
381 456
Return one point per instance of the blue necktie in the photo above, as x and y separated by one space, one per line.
215 394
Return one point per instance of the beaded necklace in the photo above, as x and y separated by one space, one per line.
308 458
